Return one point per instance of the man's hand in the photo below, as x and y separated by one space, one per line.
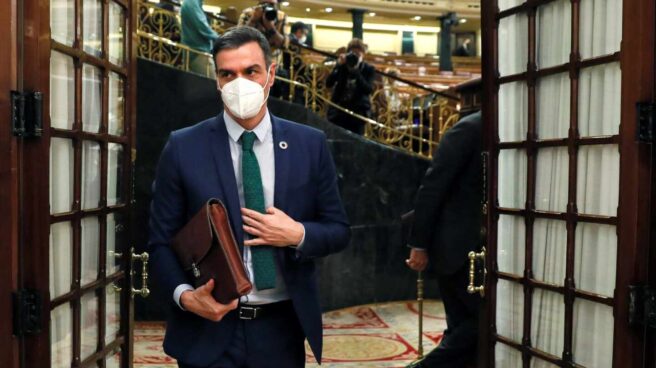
272 228
202 303
418 260
341 59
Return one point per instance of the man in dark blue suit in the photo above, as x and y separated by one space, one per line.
278 181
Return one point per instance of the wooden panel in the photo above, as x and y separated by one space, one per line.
8 185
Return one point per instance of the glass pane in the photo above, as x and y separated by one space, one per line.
61 258
507 4
513 111
510 244
554 43
553 99
92 27
90 249
513 44
512 178
506 356
61 336
89 325
549 250
90 175
114 174
116 33
62 91
116 117
91 98
510 310
599 100
539 363
62 21
548 321
601 27
115 241
113 361
598 180
551 182
113 314
596 258
62 158
592 344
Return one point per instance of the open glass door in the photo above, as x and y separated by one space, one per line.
78 186
566 230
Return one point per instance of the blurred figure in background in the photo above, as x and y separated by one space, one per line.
197 34
268 19
352 81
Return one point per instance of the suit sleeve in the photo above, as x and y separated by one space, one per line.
366 80
452 154
167 216
330 231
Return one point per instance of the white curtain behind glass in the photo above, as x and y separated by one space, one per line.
510 310
61 258
592 344
548 321
91 98
551 179
61 337
554 22
599 100
601 27
549 250
513 111
553 99
62 91
513 44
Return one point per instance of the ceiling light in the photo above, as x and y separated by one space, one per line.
307 10
417 17
463 20
372 14
329 10
285 3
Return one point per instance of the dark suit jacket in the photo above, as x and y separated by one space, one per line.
448 205
194 166
364 86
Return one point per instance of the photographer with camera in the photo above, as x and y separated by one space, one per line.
352 81
268 19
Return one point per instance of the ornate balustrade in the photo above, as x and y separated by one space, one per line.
405 114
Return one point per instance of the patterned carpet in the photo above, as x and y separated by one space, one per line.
375 335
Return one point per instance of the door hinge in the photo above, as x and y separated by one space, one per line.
646 112
642 306
26 114
27 312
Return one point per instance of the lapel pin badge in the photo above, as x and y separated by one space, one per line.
283 145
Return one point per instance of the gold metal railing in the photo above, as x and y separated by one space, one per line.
403 116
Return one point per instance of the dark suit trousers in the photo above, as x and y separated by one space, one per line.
272 341
458 346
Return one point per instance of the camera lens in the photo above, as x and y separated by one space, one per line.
270 12
352 59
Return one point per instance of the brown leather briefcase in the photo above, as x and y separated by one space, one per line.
206 249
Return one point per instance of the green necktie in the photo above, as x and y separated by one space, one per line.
264 266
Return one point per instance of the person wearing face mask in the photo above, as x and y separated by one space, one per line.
278 182
352 81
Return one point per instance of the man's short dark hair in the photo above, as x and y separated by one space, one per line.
298 26
236 37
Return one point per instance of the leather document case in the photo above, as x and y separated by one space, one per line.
206 249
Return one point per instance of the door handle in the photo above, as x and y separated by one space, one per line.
472 288
143 257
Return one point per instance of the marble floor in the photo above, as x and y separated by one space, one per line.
374 335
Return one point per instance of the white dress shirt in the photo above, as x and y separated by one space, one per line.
263 147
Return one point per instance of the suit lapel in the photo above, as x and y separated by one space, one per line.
223 161
282 161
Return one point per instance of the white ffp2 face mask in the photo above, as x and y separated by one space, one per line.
243 97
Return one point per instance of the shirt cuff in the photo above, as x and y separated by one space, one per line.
300 244
177 293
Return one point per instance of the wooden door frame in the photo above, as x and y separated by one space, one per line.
635 170
8 185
